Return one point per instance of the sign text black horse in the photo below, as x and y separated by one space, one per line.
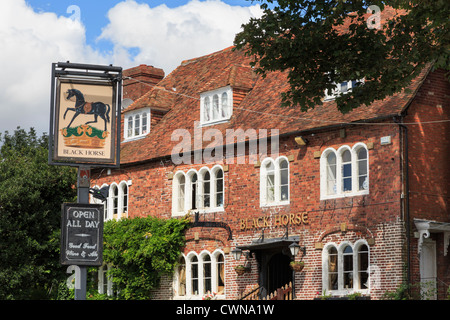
98 109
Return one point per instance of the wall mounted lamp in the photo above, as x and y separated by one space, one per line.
301 141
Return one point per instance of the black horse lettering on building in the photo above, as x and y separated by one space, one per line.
98 109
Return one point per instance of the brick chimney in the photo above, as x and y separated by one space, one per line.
136 87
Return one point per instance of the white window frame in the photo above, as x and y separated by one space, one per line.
277 182
129 132
340 267
122 202
187 204
207 114
214 261
102 275
339 192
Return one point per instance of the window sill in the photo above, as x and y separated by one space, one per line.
134 138
275 204
191 211
212 123
345 195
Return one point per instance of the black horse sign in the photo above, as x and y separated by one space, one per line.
98 109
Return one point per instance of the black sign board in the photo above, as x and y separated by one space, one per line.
82 234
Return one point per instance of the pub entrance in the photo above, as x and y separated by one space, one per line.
273 257
279 273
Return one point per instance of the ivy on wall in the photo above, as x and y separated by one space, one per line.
141 250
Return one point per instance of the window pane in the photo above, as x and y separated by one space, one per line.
363 183
331 173
363 267
181 185
182 277
130 127
216 107
225 105
332 269
220 275
219 188
207 109
194 191
115 200
137 125
346 171
207 274
144 123
125 198
206 190
348 267
270 189
194 275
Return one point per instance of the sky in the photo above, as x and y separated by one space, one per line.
126 33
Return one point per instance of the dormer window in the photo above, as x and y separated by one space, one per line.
136 123
342 88
216 106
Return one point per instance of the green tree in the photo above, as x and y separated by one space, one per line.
141 250
305 38
31 194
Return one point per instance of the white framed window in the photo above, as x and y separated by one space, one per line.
136 123
116 205
202 190
199 274
274 181
216 106
344 172
345 268
105 284
342 88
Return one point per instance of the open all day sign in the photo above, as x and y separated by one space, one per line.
82 234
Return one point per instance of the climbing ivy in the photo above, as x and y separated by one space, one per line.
141 250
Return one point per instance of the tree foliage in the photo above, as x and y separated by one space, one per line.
303 38
31 194
141 250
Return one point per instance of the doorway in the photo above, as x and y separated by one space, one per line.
279 273
428 270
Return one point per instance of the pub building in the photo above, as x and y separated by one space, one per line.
360 199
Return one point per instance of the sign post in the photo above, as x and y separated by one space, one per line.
84 133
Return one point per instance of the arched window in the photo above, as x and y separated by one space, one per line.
203 190
344 172
216 106
137 123
346 267
123 200
274 181
205 274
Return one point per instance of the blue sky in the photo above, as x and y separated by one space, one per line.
126 33
93 13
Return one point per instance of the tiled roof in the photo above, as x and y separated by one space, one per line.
180 92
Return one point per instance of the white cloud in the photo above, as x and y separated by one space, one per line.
166 36
30 41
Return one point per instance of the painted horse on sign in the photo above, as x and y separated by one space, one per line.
98 109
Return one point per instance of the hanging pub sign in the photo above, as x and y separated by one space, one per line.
82 234
85 115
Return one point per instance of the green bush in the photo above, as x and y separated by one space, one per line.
141 250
